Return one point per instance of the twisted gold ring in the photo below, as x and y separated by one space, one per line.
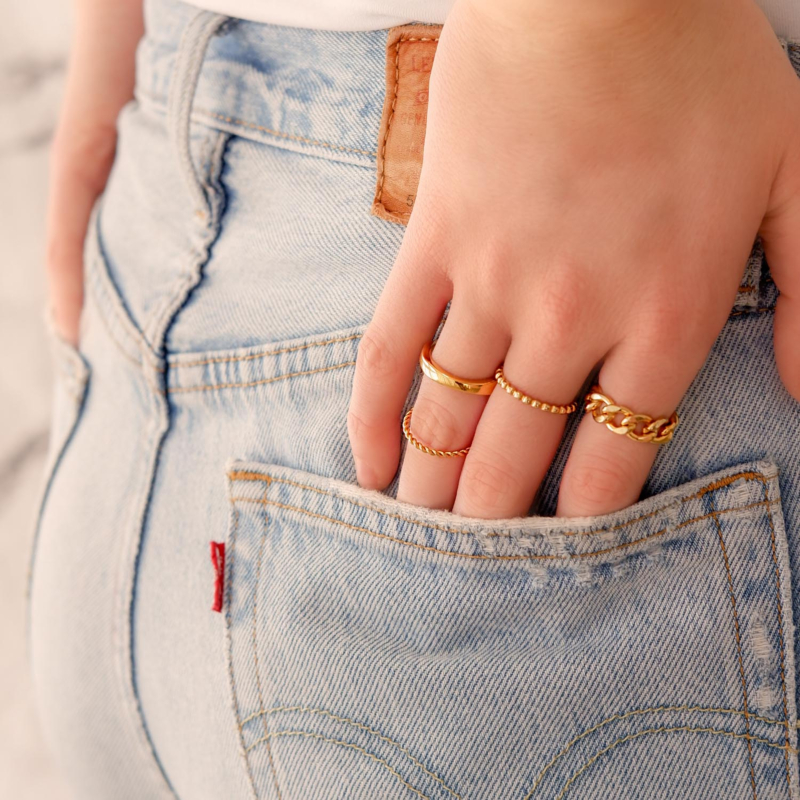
553 408
431 451
639 427
433 371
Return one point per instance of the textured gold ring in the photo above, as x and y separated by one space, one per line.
433 371
639 427
517 394
431 451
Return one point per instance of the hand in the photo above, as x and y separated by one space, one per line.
594 178
99 83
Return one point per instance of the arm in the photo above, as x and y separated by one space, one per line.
99 82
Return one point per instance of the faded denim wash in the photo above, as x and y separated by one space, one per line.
369 648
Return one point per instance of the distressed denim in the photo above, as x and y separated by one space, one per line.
369 648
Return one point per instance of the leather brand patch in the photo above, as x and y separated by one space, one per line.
410 50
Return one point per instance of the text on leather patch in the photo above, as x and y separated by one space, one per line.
410 50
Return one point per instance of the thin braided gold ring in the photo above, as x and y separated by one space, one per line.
517 394
431 451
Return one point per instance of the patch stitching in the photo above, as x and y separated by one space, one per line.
381 178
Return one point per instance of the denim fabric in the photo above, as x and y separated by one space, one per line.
367 647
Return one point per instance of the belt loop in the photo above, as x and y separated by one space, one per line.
183 85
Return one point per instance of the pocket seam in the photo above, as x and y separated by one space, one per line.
229 562
265 353
773 545
249 475
477 556
261 382
254 637
676 729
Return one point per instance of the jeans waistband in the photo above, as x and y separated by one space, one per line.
301 89
312 91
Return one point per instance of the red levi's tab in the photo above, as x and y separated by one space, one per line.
218 560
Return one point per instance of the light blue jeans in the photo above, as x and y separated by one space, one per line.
369 648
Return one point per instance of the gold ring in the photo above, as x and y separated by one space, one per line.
433 371
423 447
553 408
605 411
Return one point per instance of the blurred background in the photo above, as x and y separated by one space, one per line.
34 39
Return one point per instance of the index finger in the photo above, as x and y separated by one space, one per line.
407 315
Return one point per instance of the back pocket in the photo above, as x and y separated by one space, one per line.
379 649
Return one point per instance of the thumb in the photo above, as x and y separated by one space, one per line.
780 233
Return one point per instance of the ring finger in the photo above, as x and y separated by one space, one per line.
519 433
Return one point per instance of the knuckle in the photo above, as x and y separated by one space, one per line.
375 355
358 427
487 485
435 425
489 274
560 305
597 485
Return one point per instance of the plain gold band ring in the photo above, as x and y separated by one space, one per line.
433 371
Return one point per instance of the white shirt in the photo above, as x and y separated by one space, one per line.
366 15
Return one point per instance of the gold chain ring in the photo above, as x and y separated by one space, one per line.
605 411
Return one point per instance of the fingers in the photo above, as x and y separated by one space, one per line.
516 441
444 418
605 471
408 313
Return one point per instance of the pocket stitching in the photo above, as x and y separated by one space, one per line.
266 353
374 731
677 729
245 475
244 385
738 637
639 711
780 632
256 662
229 641
514 557
349 745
